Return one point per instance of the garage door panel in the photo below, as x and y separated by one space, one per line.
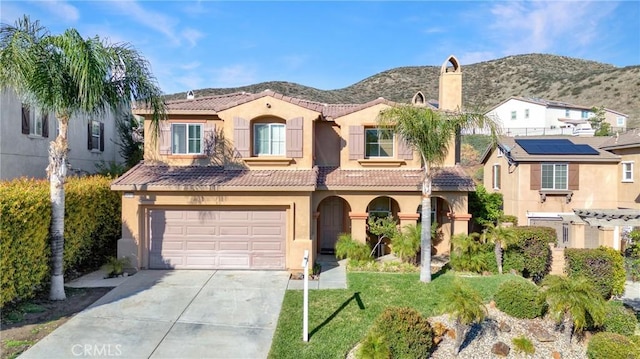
267 246
230 239
234 246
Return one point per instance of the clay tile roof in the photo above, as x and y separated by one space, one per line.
450 178
626 139
158 176
208 103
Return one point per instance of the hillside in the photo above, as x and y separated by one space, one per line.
486 84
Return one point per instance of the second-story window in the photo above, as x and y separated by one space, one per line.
378 142
555 176
514 115
269 139
186 139
585 114
526 113
627 171
567 113
95 135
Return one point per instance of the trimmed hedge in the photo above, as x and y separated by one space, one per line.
603 266
520 299
530 254
25 215
92 227
612 346
619 320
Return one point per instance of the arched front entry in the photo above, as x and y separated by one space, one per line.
381 207
333 219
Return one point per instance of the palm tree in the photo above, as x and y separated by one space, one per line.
501 237
430 131
573 301
70 76
465 307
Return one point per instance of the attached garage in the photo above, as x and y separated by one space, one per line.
216 239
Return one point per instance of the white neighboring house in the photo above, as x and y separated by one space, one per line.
528 116
25 134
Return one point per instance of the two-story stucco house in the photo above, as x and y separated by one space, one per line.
251 181
584 187
25 134
528 116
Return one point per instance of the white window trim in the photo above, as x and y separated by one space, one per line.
554 177
631 165
187 124
514 115
393 143
495 175
95 123
526 113
270 125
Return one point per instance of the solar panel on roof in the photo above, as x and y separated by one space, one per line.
555 147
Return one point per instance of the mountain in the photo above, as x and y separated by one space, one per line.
485 84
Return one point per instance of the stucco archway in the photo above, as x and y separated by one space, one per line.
440 210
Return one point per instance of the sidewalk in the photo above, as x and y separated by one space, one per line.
333 275
631 295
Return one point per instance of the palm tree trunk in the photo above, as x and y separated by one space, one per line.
425 235
568 327
57 173
498 251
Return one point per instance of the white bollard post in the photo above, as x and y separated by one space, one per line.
305 301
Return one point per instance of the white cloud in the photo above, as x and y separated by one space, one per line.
190 66
526 27
434 30
154 20
192 36
10 13
233 76
61 9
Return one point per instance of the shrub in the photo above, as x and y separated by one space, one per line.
92 227
633 268
530 253
603 266
520 299
25 215
469 253
407 333
406 244
522 344
486 207
612 346
619 319
374 346
347 247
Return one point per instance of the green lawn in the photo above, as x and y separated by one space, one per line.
338 319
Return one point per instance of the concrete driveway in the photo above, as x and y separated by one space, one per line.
175 314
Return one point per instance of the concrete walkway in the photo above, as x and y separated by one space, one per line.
333 275
631 295
175 314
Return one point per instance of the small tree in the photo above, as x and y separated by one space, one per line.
501 237
383 228
466 248
465 307
598 122
486 207
574 302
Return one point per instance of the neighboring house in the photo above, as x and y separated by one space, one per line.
584 187
25 134
528 116
251 181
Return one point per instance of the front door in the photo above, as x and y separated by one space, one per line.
331 223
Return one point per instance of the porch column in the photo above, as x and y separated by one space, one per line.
408 218
460 222
576 239
315 236
359 226
606 237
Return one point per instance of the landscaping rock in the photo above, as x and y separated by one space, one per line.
504 327
500 349
492 304
541 334
556 355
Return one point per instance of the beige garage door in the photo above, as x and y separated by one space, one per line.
229 239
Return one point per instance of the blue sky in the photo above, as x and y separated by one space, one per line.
334 44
